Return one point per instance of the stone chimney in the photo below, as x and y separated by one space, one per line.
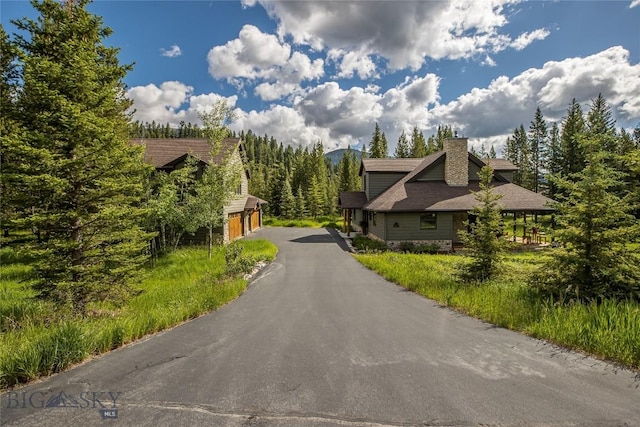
456 165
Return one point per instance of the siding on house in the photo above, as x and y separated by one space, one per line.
238 202
409 227
508 175
377 227
473 172
434 173
379 182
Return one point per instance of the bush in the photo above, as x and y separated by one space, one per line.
412 248
369 245
237 262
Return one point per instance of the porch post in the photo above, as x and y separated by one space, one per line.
344 221
515 218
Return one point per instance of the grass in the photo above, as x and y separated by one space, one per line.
318 222
610 330
38 339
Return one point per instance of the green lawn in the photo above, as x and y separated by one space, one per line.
319 222
610 330
38 339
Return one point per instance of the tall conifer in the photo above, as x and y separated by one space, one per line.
85 181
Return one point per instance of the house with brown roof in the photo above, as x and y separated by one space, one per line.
427 200
244 212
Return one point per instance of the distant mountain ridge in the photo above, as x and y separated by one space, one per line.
336 155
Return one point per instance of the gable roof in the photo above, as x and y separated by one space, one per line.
389 165
409 195
163 152
434 196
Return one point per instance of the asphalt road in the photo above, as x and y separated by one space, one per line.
318 340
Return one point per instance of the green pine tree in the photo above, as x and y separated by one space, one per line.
287 201
597 230
402 149
10 199
377 146
482 236
538 135
86 183
315 199
571 157
418 145
300 205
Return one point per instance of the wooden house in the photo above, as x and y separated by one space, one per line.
427 200
244 213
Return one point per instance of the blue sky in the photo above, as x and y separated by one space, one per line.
329 70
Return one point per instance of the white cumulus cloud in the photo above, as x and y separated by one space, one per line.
172 52
507 102
339 116
257 56
404 33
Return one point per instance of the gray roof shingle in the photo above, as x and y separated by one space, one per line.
352 199
162 151
407 195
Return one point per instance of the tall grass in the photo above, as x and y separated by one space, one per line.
319 222
38 339
610 330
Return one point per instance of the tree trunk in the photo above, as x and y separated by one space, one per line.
210 241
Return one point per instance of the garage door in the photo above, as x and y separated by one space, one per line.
255 220
235 226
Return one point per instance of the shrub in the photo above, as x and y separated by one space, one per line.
369 245
237 262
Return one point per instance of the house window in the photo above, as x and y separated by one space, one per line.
428 221
239 189
375 215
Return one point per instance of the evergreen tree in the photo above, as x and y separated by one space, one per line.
538 135
315 198
300 206
277 190
554 158
384 146
10 203
85 182
364 153
345 168
520 155
377 145
402 149
571 156
418 145
287 201
492 152
596 229
443 133
432 145
482 236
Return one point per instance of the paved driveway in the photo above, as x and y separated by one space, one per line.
318 340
